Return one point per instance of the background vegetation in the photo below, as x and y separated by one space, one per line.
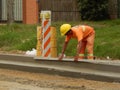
93 9
23 37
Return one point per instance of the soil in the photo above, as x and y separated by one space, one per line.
12 52
19 80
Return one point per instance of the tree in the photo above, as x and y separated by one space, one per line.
10 11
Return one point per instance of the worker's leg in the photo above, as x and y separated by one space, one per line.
90 45
82 50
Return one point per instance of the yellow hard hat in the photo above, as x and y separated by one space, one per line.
64 29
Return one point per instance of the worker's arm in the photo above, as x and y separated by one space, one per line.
78 51
63 50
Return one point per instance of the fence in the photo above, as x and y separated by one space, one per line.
17 10
113 9
118 8
0 9
62 10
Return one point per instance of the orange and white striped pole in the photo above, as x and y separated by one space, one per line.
46 23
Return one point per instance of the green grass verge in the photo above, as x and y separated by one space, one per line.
23 37
17 37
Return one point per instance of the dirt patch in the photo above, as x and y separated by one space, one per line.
12 52
18 80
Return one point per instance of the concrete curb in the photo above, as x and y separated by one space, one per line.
101 70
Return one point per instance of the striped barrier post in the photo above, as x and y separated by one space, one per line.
46 36
46 23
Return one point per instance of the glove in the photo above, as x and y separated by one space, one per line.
76 58
61 57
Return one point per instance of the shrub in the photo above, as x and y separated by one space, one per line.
93 9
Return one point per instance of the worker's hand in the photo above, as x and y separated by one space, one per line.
76 58
61 57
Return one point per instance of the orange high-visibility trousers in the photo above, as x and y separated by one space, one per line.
87 43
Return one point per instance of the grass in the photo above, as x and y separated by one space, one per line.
23 37
17 37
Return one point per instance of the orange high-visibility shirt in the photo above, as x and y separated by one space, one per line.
80 32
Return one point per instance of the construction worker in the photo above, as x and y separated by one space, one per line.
85 36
